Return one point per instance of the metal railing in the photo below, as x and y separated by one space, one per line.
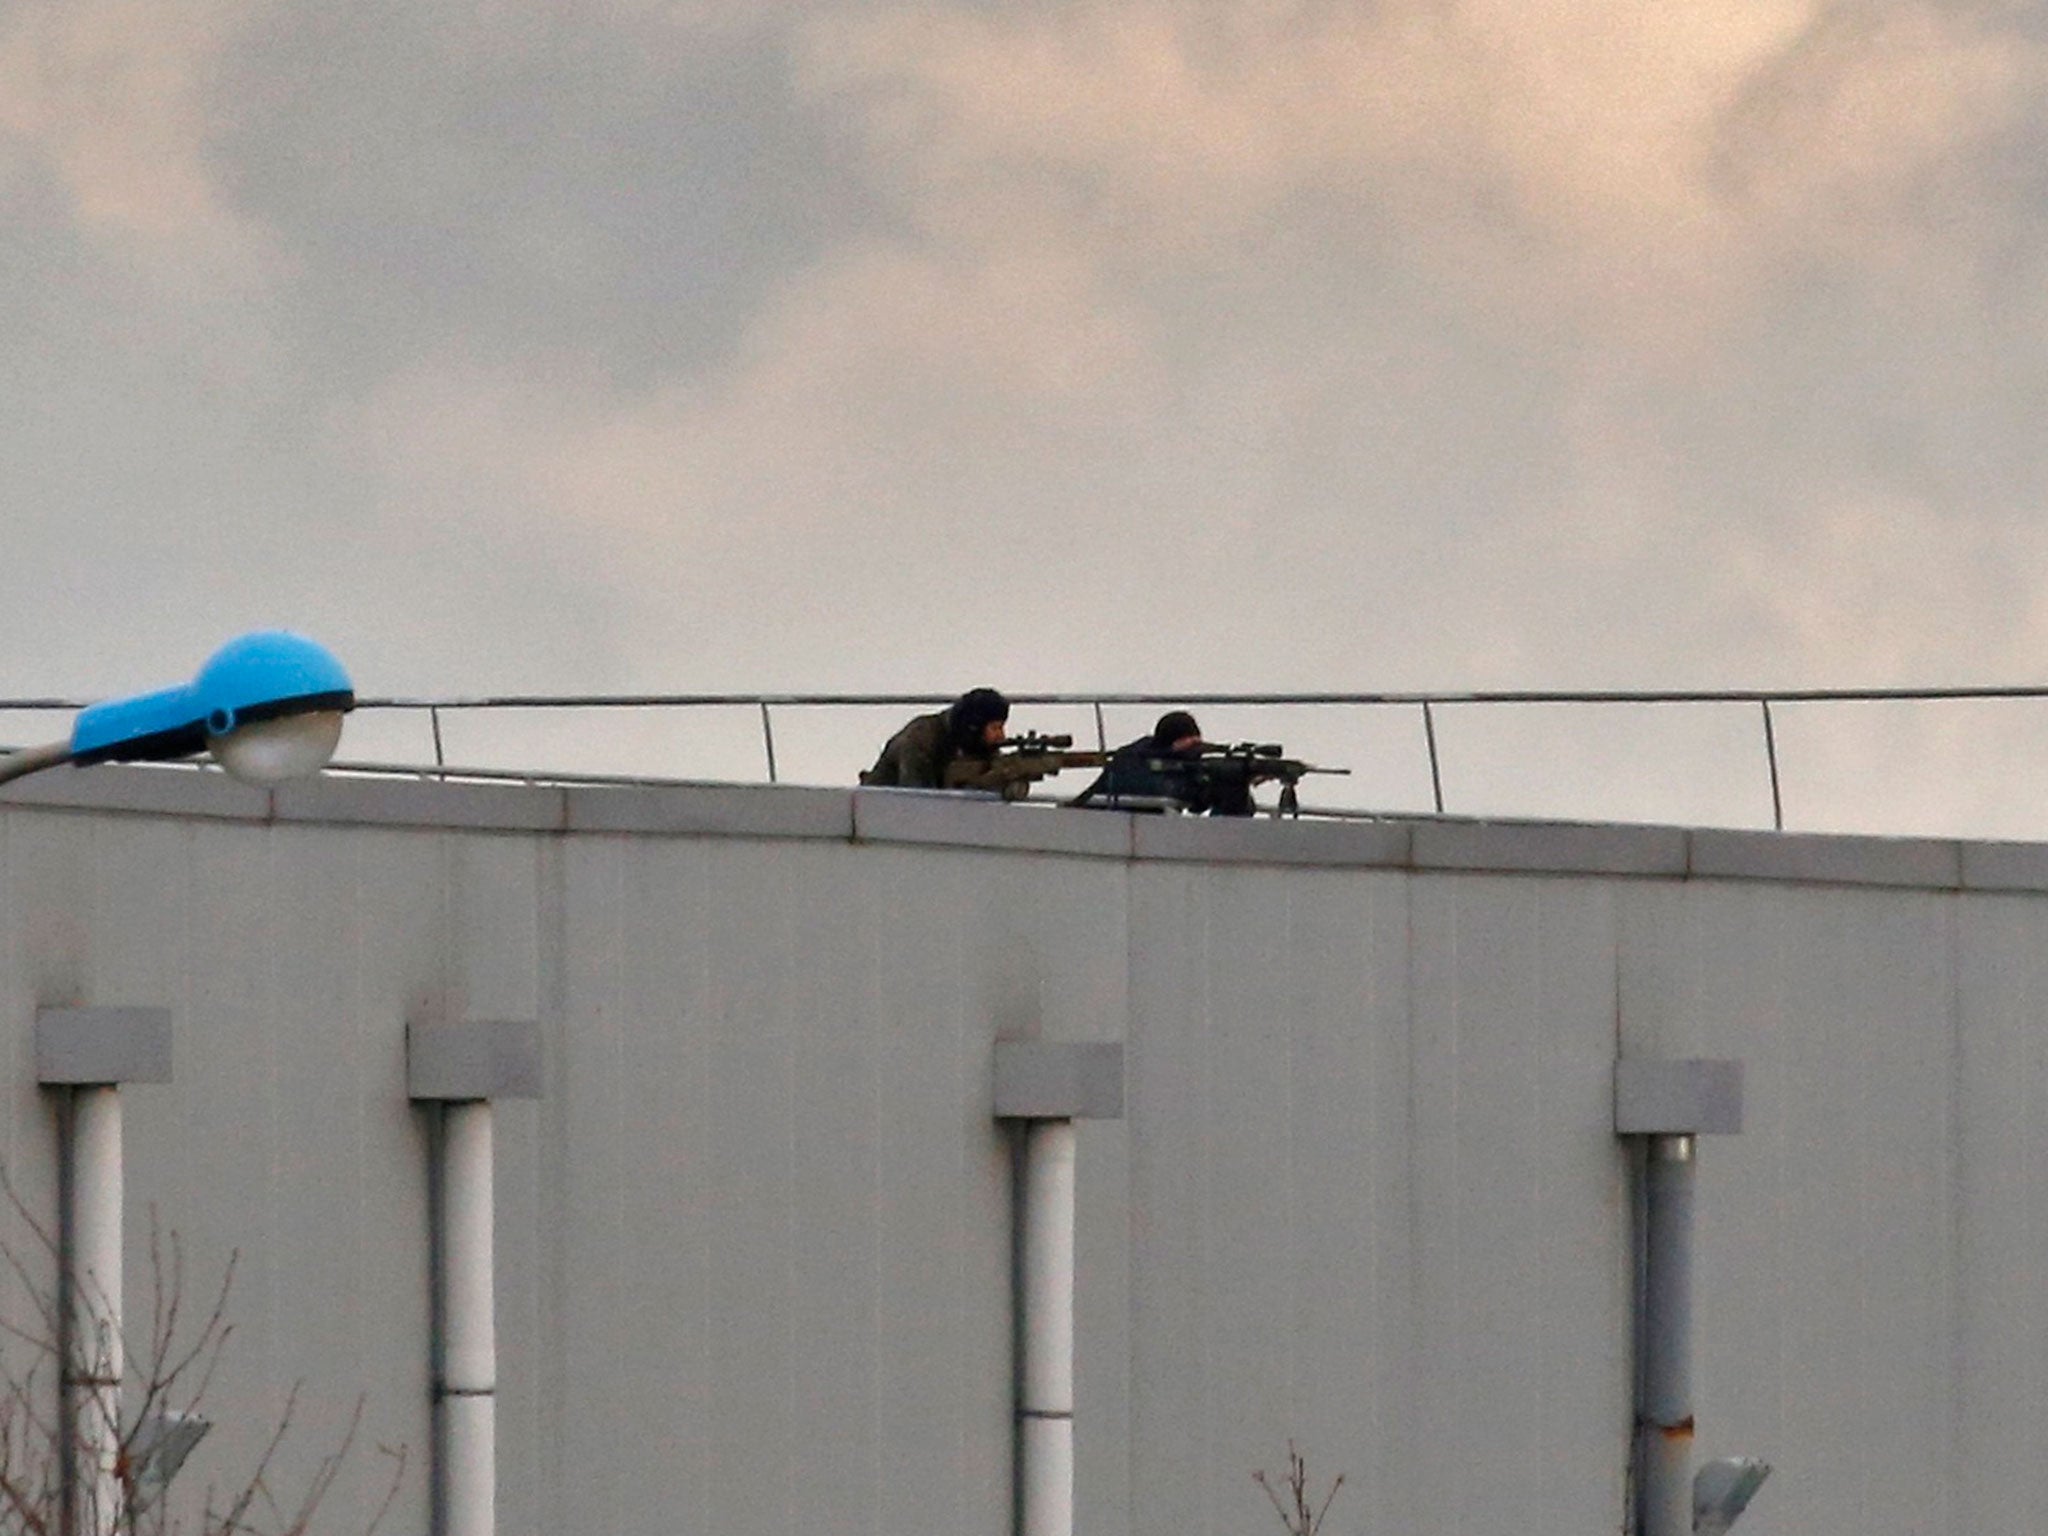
1426 704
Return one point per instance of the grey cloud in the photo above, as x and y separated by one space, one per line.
514 183
158 496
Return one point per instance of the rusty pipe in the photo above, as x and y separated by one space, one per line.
1665 1418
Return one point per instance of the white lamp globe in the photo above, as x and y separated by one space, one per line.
269 752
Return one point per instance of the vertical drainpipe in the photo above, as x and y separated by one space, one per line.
466 1392
1047 1087
1045 1401
464 1067
1665 1417
94 1360
90 1052
1669 1105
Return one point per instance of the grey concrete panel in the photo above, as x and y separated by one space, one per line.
287 1137
1051 1080
155 790
926 991
1262 840
747 1028
1173 1307
2000 1172
1245 1160
340 1174
1281 1125
925 816
1513 1015
806 1294
837 1103
474 1059
530 1351
713 810
2005 866
48 896
525 1326
1658 978
1827 860
1677 1098
1040 947
1824 1234
103 1045
1554 848
618 1069
631 1182
1348 1090
493 964
219 1191
982 959
343 799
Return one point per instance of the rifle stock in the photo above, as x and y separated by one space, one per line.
1016 765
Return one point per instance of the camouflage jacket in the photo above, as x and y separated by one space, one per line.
918 756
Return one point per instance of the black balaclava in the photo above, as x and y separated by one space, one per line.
972 712
1173 726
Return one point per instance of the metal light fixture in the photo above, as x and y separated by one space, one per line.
1721 1491
267 752
268 706
157 1447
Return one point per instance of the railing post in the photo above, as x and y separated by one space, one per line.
768 740
1436 776
1771 753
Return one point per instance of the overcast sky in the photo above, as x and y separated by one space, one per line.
733 345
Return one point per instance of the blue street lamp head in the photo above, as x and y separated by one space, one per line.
256 679
268 674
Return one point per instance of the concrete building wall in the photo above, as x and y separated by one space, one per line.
755 1238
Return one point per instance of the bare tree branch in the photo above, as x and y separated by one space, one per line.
1298 1512
169 1373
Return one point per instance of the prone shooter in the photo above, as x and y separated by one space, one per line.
1219 778
967 747
1174 768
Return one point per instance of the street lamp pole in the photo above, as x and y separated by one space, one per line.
19 765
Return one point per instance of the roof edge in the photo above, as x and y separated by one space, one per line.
1397 841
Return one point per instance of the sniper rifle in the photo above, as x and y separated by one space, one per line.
1019 763
1247 763
1215 778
